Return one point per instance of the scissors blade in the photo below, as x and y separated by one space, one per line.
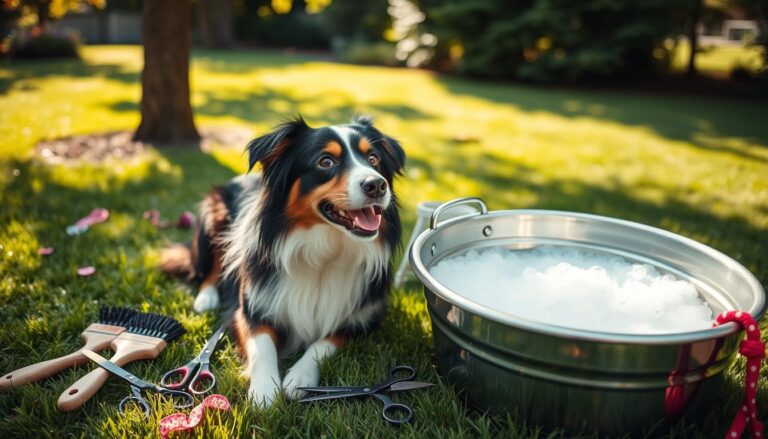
408 385
210 345
331 389
116 370
332 396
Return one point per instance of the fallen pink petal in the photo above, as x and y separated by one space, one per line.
86 271
153 215
97 215
45 251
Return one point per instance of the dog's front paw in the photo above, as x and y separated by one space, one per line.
263 391
207 299
302 374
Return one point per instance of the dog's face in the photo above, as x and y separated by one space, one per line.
339 175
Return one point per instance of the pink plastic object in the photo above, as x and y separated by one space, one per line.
86 271
182 422
45 251
186 220
97 215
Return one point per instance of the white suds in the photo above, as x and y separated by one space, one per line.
577 289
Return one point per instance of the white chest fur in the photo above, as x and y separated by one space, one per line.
322 277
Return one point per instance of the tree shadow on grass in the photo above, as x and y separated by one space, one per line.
247 60
680 118
17 72
270 104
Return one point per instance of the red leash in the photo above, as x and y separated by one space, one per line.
754 349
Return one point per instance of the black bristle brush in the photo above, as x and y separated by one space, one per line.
146 336
113 321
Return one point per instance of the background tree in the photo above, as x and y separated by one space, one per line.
215 22
47 10
548 40
166 111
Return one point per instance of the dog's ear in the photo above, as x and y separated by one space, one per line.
362 119
267 148
395 153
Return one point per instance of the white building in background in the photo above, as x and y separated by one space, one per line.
110 27
730 33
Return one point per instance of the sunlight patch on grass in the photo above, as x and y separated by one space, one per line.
113 175
233 158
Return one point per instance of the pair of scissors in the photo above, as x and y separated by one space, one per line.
181 400
400 378
195 376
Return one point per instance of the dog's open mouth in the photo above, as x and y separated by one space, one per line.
362 222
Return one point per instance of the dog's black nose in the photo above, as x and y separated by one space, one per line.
374 186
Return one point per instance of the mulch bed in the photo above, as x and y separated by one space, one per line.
101 147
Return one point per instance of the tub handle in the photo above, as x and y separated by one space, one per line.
453 203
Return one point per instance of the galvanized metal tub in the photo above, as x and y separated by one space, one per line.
559 377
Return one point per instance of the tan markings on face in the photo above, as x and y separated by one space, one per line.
382 231
333 148
301 210
364 146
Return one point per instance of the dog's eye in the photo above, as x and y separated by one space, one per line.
374 159
326 162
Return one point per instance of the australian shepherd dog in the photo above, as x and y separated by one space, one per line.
304 245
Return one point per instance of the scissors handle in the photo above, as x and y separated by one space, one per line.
394 412
179 378
203 381
181 400
136 398
396 375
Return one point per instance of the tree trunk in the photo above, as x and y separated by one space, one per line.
693 36
166 113
205 21
43 11
215 21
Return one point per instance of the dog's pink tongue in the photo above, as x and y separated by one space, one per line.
366 218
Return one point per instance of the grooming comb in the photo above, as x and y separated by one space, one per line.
112 322
146 336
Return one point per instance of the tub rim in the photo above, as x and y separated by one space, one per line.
437 288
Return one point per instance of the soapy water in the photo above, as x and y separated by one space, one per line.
574 288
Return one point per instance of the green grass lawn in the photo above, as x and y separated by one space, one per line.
692 165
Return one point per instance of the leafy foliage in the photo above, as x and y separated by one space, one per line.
43 45
280 24
46 10
544 40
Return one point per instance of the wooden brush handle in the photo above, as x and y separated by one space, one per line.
35 372
128 348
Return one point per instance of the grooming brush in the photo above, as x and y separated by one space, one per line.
145 337
112 322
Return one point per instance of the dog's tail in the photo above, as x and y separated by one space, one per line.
176 259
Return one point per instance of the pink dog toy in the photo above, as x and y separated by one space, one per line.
182 422
97 215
